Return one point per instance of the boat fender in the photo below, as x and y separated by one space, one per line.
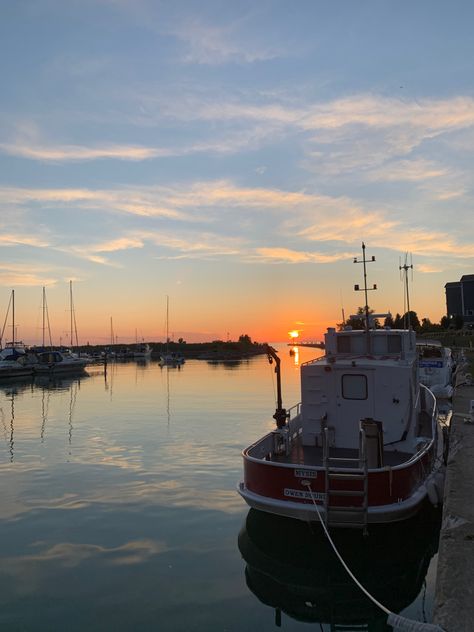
432 492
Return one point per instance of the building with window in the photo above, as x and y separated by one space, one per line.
460 299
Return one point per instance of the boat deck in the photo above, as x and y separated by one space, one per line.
313 456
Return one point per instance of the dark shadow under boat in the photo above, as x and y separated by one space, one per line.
292 567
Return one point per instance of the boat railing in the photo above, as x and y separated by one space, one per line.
294 411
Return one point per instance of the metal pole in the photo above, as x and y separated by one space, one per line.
13 317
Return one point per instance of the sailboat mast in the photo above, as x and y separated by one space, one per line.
167 323
70 307
44 307
13 317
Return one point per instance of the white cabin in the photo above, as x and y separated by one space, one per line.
363 375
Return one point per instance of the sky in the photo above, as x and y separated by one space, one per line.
232 156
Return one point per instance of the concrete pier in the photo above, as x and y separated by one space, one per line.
454 598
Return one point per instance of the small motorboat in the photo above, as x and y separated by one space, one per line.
54 362
142 351
171 358
14 362
436 367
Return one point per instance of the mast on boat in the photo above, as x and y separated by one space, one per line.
73 318
11 304
46 320
13 318
405 267
167 324
365 289
111 332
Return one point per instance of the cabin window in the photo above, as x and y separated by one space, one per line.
354 386
343 344
394 344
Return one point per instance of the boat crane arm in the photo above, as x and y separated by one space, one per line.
280 415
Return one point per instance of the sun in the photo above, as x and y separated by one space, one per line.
294 334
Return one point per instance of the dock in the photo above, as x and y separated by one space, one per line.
454 596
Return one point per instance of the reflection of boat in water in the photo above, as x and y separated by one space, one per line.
292 568
59 382
364 446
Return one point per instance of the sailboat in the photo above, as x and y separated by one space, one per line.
172 358
51 361
13 358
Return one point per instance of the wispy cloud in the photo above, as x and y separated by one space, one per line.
224 207
78 153
143 202
225 193
286 255
22 240
206 43
207 246
92 252
16 274
384 232
425 268
123 243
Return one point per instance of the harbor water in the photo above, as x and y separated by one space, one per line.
119 511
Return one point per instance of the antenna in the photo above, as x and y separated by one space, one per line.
365 289
342 310
406 295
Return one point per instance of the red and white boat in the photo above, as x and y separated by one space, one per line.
365 444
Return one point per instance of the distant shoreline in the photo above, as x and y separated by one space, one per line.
211 351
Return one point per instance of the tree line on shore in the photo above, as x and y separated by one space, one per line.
403 321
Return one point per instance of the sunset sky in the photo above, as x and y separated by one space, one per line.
232 156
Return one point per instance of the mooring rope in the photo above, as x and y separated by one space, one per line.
395 620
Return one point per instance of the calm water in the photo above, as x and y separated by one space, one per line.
119 511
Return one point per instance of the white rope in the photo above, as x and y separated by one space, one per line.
395 620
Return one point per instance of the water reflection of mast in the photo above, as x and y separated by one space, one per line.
168 414
72 406
44 411
166 367
11 427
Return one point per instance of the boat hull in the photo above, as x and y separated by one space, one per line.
298 490
378 514
12 373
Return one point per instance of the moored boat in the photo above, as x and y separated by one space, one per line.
172 358
142 351
436 366
167 357
54 362
14 359
14 362
363 446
